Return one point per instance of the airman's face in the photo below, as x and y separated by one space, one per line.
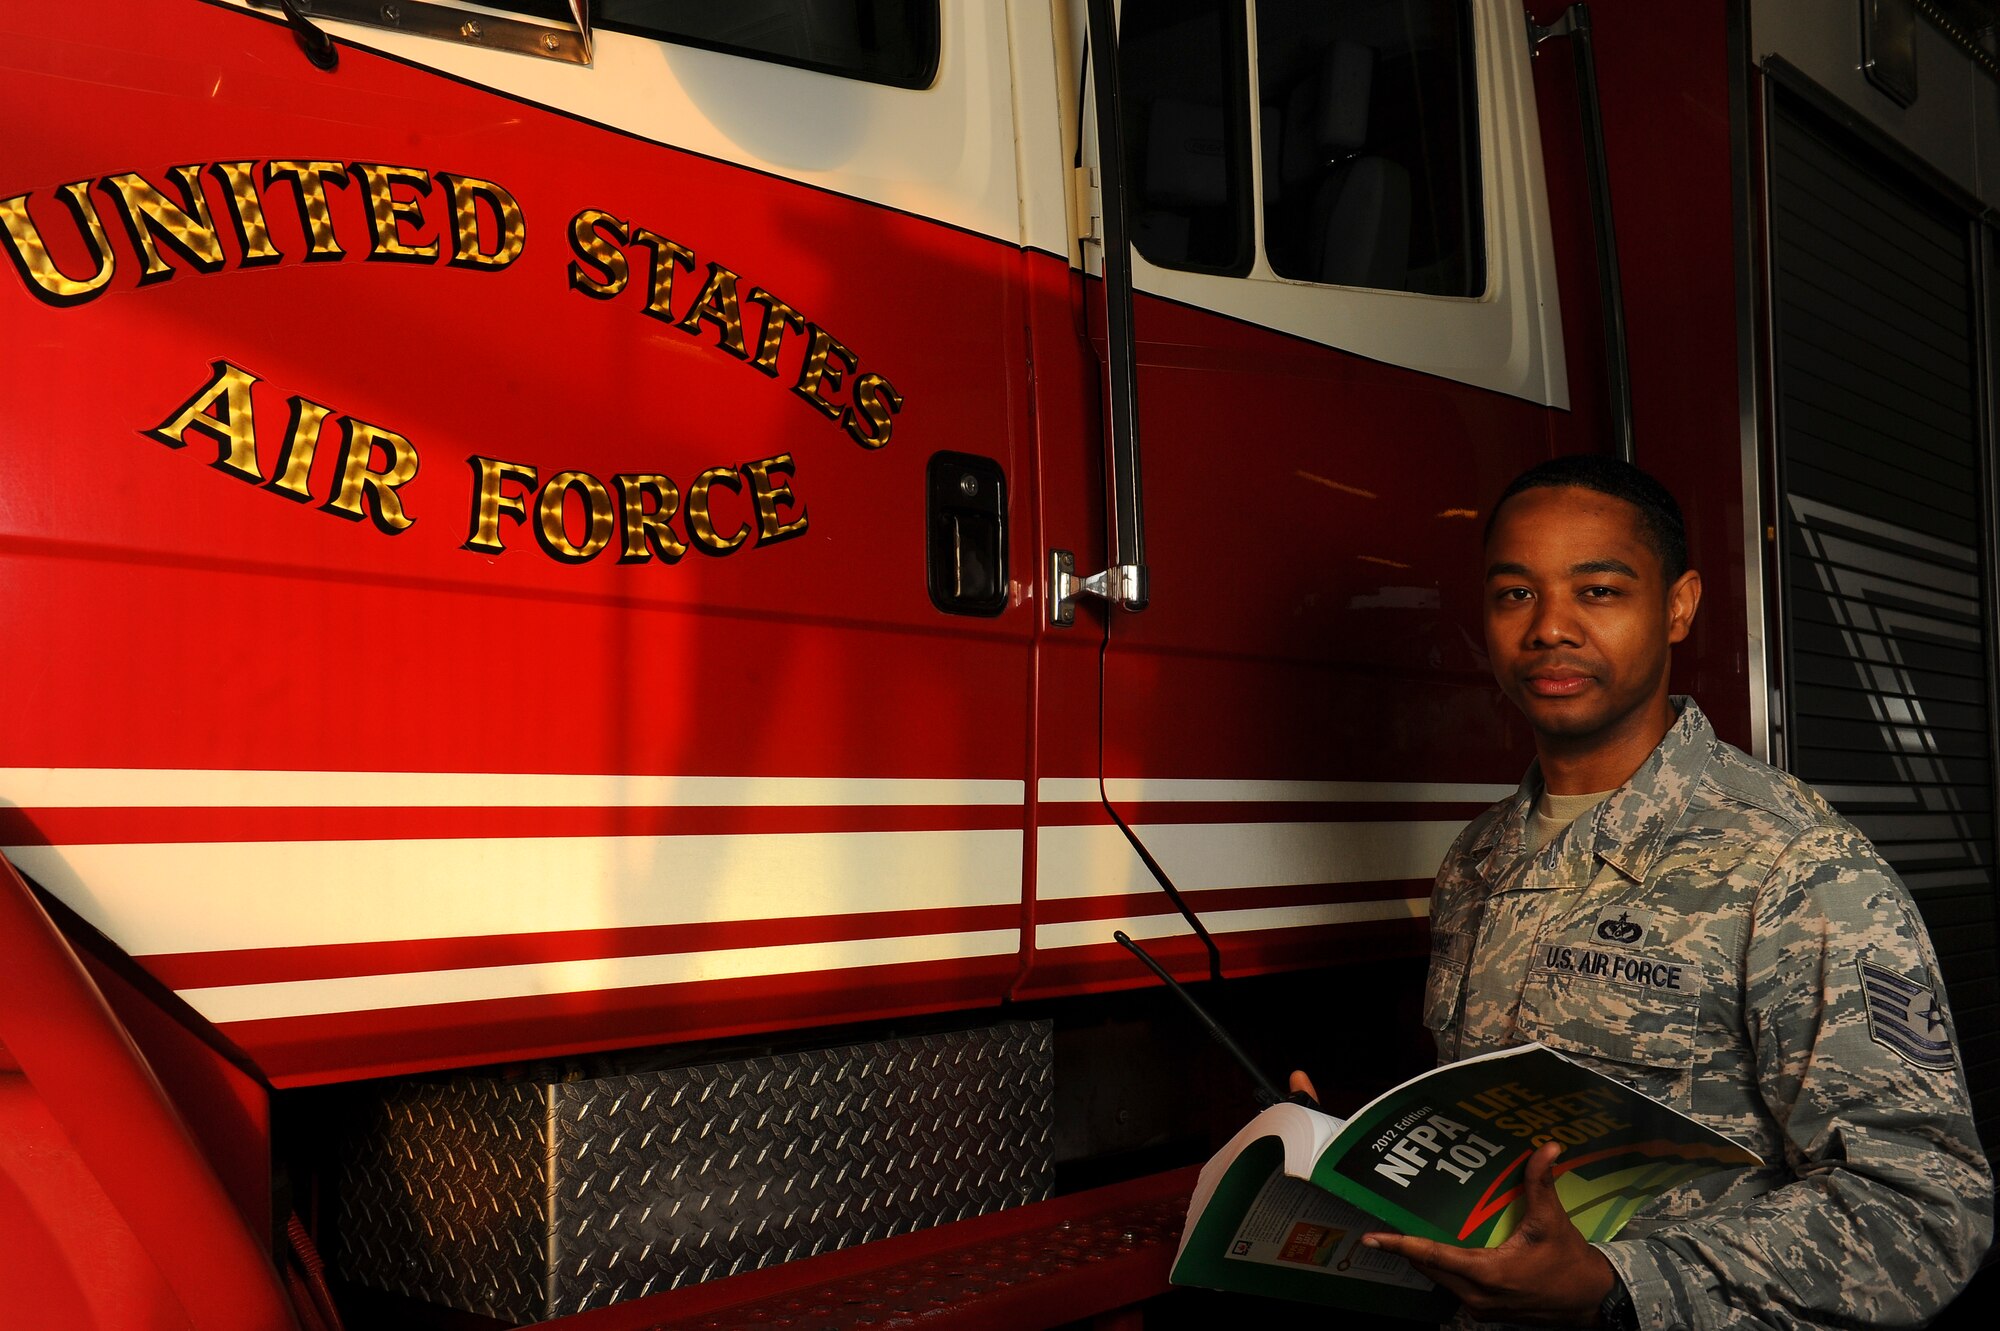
1580 617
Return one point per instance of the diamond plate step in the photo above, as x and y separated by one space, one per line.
525 1201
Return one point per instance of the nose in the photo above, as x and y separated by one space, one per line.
1552 625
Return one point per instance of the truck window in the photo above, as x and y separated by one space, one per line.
1365 174
1370 161
877 41
1182 70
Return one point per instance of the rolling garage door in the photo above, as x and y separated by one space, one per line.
1883 488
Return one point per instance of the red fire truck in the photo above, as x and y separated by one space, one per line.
609 604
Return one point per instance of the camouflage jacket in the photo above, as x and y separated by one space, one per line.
1716 936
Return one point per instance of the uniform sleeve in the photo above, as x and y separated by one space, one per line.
1890 1207
1453 917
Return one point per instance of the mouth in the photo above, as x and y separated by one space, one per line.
1557 683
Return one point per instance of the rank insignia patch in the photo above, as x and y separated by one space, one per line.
1906 1017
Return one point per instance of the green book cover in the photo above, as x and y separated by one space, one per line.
1281 1209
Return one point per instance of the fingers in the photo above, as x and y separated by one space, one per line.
1543 1205
1430 1256
1460 1272
1301 1082
1545 1272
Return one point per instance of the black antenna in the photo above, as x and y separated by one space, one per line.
1173 895
1267 1092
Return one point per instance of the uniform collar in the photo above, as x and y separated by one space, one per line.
1631 826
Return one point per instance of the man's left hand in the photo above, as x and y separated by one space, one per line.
1546 1272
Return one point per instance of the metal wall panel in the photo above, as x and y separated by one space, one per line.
1951 126
1883 509
530 1200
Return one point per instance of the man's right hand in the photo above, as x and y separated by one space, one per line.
1546 1272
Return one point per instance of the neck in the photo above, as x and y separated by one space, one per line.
1585 765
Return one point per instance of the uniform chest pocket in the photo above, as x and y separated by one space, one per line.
1641 1036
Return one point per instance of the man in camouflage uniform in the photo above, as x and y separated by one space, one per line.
1709 931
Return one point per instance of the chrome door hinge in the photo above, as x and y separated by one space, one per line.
1564 26
1123 585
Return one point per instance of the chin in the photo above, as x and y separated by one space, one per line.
1554 719
1566 727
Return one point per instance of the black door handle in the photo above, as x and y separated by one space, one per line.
966 512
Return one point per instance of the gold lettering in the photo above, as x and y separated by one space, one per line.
552 533
220 409
822 350
246 212
387 213
491 501
876 401
778 316
701 522
359 476
667 255
30 252
149 216
718 304
510 224
294 478
310 180
595 237
766 496
649 532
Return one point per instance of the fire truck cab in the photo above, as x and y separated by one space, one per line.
612 603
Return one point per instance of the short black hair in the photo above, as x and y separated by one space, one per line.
1660 522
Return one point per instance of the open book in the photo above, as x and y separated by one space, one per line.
1281 1209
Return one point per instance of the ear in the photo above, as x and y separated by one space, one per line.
1683 599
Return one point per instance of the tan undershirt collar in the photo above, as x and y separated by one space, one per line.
1552 813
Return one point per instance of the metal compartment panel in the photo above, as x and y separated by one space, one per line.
525 1201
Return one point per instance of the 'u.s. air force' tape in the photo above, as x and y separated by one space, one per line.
1906 1017
1666 977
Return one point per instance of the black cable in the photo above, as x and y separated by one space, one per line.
1146 856
312 39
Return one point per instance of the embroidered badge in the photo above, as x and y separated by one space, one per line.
1623 931
1905 1017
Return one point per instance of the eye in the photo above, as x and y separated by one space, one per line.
1599 593
1513 595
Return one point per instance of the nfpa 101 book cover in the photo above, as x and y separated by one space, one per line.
1281 1209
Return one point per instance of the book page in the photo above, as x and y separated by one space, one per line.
1304 1134
1294 1224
